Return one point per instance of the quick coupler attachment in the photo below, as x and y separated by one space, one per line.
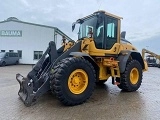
26 92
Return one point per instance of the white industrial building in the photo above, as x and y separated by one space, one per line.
28 39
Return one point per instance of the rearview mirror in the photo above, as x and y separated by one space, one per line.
123 34
78 21
73 26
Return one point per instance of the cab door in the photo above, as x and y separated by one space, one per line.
107 36
111 30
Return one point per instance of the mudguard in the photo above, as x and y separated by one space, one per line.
87 57
125 55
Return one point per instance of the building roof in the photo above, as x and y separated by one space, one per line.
14 19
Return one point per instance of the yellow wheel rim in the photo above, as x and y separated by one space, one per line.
78 81
134 76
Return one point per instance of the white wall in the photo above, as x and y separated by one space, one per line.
34 38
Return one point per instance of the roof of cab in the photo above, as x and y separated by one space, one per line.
109 14
102 11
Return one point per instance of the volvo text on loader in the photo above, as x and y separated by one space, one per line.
72 71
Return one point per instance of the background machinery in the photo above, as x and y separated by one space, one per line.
72 71
152 58
151 61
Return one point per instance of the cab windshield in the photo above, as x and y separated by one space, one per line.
91 24
103 28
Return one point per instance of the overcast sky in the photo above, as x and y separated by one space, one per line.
141 18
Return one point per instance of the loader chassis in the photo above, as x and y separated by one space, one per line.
72 71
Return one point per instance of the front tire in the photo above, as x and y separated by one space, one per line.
3 63
131 79
73 80
17 62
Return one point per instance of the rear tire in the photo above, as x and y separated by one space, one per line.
3 63
17 62
73 80
131 79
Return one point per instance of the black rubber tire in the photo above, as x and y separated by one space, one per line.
3 63
59 80
17 62
125 83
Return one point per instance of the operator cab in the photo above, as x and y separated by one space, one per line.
103 27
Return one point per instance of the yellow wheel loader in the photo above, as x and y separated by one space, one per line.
72 71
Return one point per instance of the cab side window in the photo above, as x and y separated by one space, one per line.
111 32
111 29
99 36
